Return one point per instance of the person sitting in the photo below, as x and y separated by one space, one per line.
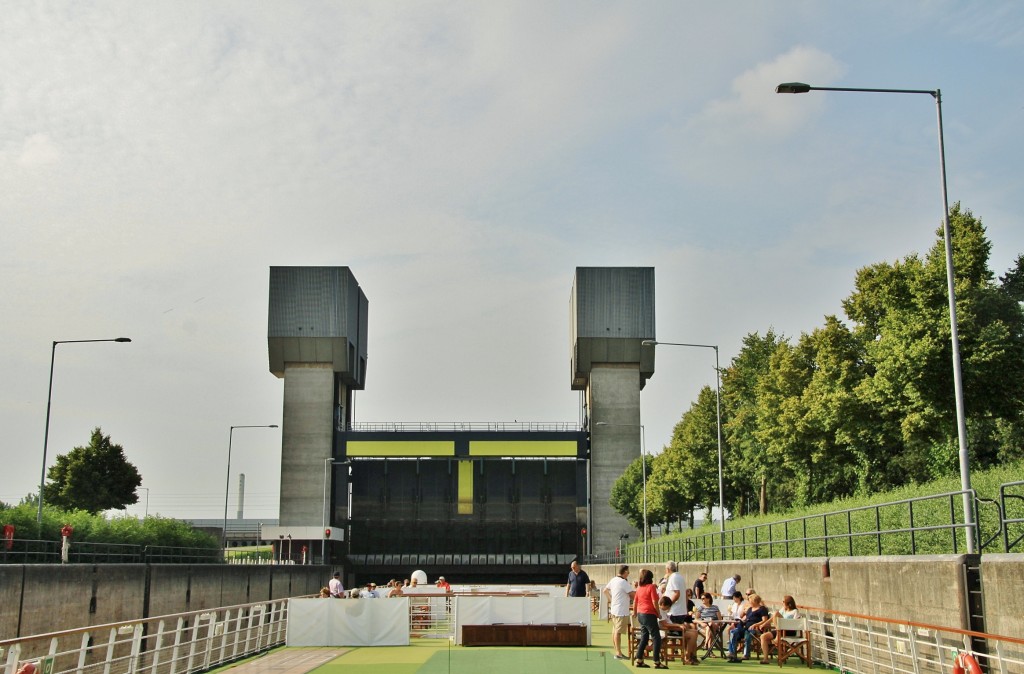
755 619
733 615
686 630
768 636
325 593
710 617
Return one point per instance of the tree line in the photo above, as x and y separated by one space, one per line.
859 405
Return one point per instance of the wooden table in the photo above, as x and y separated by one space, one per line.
510 634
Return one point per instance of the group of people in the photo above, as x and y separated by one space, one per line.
668 606
336 589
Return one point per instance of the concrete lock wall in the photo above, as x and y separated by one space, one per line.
42 598
926 588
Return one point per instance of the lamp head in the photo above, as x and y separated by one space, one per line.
123 339
792 88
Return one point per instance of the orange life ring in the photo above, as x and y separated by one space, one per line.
966 663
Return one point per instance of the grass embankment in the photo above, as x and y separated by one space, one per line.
851 522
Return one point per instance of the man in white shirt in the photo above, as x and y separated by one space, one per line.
729 586
675 589
620 594
335 586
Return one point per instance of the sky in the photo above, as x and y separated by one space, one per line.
462 158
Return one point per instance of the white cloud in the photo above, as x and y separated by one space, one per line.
754 111
38 150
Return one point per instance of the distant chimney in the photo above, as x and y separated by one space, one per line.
241 493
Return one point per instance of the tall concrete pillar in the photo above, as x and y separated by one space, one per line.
612 311
316 338
307 437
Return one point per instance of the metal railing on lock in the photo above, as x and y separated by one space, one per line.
174 644
922 525
26 551
853 643
1011 513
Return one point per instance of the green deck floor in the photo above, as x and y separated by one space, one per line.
439 656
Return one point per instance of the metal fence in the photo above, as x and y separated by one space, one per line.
175 644
922 525
25 551
848 642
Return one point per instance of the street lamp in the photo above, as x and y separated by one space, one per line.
961 424
643 469
718 420
49 398
147 502
227 482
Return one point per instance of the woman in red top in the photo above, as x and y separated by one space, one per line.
645 608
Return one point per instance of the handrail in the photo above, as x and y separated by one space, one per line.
1004 520
913 623
852 642
186 643
791 537
31 551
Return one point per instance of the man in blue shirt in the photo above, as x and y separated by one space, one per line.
579 581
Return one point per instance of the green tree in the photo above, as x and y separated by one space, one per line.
1012 283
627 494
810 415
93 478
686 472
901 315
747 484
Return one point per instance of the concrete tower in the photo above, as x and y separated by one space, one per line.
612 313
316 338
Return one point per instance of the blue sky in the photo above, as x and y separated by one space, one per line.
463 159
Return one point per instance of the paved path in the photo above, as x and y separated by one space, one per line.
288 661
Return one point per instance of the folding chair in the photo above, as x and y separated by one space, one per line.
793 638
634 642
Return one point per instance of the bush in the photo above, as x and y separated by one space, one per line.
151 531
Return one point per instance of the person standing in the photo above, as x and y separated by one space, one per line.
729 586
619 594
579 581
337 590
645 608
675 586
698 585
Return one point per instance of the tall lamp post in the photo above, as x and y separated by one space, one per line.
961 424
49 399
718 421
147 502
227 481
643 469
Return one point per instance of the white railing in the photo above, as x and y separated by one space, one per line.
430 616
856 643
174 644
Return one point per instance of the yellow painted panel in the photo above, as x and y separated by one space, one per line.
465 488
522 448
400 448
